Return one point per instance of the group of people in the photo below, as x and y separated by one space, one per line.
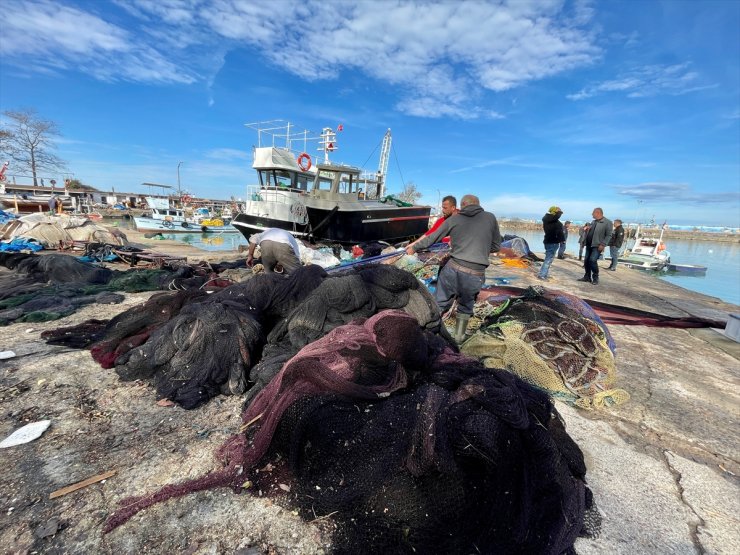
472 233
593 238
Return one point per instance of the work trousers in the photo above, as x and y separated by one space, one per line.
614 251
274 253
453 283
561 251
550 250
589 263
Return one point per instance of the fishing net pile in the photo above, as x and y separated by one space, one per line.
51 231
408 447
354 293
37 288
43 288
553 341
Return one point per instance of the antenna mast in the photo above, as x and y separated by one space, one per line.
385 154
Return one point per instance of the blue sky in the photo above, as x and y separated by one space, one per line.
633 106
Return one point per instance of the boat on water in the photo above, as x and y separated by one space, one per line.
646 253
322 200
686 269
168 219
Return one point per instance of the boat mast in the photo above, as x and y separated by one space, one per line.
385 154
327 142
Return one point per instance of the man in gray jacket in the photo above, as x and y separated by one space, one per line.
474 234
597 237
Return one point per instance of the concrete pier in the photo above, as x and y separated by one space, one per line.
663 467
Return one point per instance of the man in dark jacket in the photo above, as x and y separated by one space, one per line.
474 234
554 235
615 243
596 239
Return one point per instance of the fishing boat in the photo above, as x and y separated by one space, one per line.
322 200
168 219
647 253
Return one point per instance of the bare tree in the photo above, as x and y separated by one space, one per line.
410 193
28 141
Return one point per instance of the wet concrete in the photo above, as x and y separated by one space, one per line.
664 466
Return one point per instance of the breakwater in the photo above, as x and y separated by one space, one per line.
687 235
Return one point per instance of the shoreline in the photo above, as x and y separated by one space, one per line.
687 235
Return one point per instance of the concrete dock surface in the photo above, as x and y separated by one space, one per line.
663 467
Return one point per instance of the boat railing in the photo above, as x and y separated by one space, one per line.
278 195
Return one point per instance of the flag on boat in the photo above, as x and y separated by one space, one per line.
340 127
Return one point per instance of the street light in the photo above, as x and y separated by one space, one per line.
179 192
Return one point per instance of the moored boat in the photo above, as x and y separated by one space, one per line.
325 201
167 219
647 253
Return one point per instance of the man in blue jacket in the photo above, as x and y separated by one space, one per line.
474 234
554 235
596 240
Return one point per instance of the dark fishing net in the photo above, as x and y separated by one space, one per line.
407 446
56 268
134 326
205 350
340 299
76 337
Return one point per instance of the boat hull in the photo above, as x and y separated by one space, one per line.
348 227
687 269
149 224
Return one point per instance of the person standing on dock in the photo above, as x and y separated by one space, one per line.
582 239
615 243
566 230
554 236
474 234
596 239
278 247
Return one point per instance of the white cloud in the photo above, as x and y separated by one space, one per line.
511 161
56 37
652 80
670 192
510 205
441 56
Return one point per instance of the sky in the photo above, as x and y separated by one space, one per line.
632 106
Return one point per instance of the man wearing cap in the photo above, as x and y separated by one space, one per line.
277 247
596 239
474 234
553 237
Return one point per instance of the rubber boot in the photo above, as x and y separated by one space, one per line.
461 326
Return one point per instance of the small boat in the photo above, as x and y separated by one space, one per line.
686 269
324 201
647 253
167 219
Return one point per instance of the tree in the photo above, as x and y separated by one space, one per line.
28 141
410 193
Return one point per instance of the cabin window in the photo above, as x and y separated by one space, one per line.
283 178
324 184
301 182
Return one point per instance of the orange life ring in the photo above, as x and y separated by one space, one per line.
185 199
304 157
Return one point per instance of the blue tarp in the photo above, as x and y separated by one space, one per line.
20 244
5 217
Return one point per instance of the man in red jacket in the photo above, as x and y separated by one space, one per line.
449 208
